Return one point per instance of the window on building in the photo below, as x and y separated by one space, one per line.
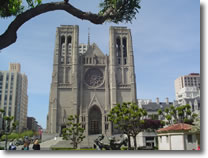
62 40
62 60
5 111
83 126
12 77
68 60
7 77
106 126
10 111
7 85
190 138
1 77
124 47
149 138
69 39
118 47
119 61
5 97
125 61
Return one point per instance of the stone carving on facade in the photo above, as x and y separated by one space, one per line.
124 86
95 58
94 101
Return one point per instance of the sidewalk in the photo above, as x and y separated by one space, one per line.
44 145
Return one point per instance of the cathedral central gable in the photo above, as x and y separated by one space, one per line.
93 50
95 101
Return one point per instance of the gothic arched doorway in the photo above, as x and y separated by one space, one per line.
95 121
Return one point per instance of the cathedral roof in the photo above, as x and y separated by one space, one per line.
94 50
154 107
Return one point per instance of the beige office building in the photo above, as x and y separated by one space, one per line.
13 95
187 86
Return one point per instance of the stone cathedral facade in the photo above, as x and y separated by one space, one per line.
89 84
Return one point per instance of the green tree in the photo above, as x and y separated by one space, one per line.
28 133
129 119
181 114
196 125
8 125
73 131
110 10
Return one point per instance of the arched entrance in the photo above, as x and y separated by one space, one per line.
95 121
62 127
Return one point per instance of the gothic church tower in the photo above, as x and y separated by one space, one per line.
64 86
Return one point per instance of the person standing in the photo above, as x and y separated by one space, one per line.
12 146
36 145
25 146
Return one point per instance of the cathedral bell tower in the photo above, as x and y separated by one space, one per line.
64 86
122 75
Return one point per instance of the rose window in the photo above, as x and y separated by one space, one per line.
94 77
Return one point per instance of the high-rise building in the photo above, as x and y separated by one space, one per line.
13 95
187 86
89 84
32 124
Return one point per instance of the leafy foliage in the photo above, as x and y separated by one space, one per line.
13 136
196 125
10 7
73 131
122 10
14 7
181 114
152 124
8 125
29 133
110 10
129 118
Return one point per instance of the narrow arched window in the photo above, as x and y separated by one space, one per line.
118 47
69 39
124 47
62 45
62 40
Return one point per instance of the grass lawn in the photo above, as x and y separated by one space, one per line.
56 148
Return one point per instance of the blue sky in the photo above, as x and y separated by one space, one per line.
166 43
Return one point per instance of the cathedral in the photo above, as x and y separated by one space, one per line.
88 83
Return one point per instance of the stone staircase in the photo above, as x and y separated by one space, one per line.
86 143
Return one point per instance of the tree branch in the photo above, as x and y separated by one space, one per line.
10 35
